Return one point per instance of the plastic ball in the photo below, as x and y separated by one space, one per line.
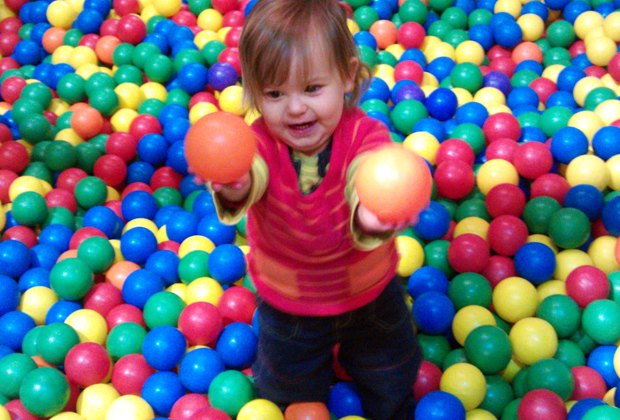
488 348
514 299
586 284
466 382
440 405
599 319
237 304
218 150
163 347
260 409
131 406
198 368
125 338
495 172
454 179
535 262
306 411
533 339
187 407
541 404
161 390
71 279
44 391
87 364
505 199
229 391
433 312
468 318
468 253
507 233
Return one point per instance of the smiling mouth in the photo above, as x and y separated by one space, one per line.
302 126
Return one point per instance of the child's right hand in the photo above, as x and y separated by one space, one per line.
234 191
370 223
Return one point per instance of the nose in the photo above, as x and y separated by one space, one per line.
296 105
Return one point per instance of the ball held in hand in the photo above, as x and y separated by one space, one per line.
394 183
220 147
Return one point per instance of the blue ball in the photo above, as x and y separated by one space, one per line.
440 405
58 72
164 214
36 34
442 104
498 80
103 7
172 112
378 89
530 65
15 258
164 263
137 244
567 143
181 226
161 390
431 126
10 295
219 233
601 359
175 158
344 400
188 185
605 142
508 35
44 256
482 34
198 368
227 263
203 205
14 326
561 98
193 77
175 130
159 41
472 112
365 38
140 285
535 262
568 78
140 171
440 67
237 345
139 204
587 198
222 75
383 8
556 4
522 96
88 21
427 279
27 52
164 347
581 407
532 134
414 54
433 312
43 72
104 219
37 276
611 216
61 310
433 222
582 61
153 148
536 8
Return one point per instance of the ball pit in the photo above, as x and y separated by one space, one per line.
115 271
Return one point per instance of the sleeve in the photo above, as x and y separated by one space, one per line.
232 213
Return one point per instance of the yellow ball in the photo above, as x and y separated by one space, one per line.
608 111
515 298
121 120
95 400
462 96
476 225
469 52
162 235
429 79
77 5
90 325
195 243
129 407
231 100
532 26
222 32
204 289
82 56
5 12
466 382
611 26
202 38
489 95
613 166
260 409
411 255
179 289
116 246
479 414
62 54
583 87
569 259
512 7
543 239
601 50
443 49
141 222
549 288
66 416
70 136
167 8
26 183
511 370
396 50
494 108
352 26
469 318
588 169
37 301
87 70
147 12
112 194
533 339
200 110
552 72
495 172
609 82
210 20
130 96
424 144
60 14
153 90
617 361
2 218
384 72
586 22
602 252
430 42
58 106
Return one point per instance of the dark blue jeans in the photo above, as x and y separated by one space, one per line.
378 349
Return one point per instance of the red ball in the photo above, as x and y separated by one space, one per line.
576 48
507 234
544 88
468 253
186 407
89 40
8 63
454 179
550 185
202 97
10 24
166 177
68 179
409 70
17 411
88 364
109 27
233 18
59 197
124 313
455 149
23 234
541 404
129 374
614 67
501 125
184 18
136 186
131 29
505 199
169 246
532 159
82 234
230 55
411 35
212 413
498 269
497 51
237 304
144 124
232 37
125 7
588 383
5 133
225 6
504 65
201 323
429 376
14 156
586 284
7 177
123 145
111 169
102 298
8 41
595 71
503 148
15 5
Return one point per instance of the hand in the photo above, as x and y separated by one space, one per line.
370 222
234 191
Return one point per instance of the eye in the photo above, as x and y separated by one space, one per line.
272 94
313 88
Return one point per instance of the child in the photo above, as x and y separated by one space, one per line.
323 265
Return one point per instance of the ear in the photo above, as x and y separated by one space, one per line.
349 82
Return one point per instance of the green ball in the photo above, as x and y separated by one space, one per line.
24 109
440 29
455 16
560 33
453 357
60 216
159 68
188 204
211 51
90 191
597 96
511 409
488 348
25 30
193 265
436 255
64 121
386 57
498 395
229 391
35 129
470 289
440 5
537 213
72 37
55 341
365 16
152 23
128 73
375 105
471 134
523 78
168 196
13 369
125 338
479 17
406 114
467 76
142 53
455 38
562 313
44 392
37 92
601 321
435 348
553 375
569 228
529 119
105 101
29 342
29 208
413 11
71 88
583 340
163 308
178 96
358 3
151 106
367 55
97 253
519 382
99 81
60 155
556 55
570 354
197 6
602 412
186 57
473 207
71 279
614 279
123 54
87 155
554 118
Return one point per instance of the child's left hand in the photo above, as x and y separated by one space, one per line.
370 223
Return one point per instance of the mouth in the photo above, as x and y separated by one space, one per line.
301 127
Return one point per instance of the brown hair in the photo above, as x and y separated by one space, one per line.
277 30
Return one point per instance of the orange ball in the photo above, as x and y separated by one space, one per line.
118 272
86 121
385 32
53 38
104 48
527 51
394 183
220 147
306 411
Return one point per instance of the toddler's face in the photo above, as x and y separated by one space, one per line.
304 112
